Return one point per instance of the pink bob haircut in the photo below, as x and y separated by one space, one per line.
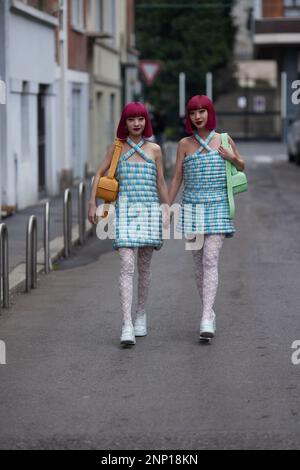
134 109
198 102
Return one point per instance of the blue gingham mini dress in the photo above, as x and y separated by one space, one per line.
204 205
138 221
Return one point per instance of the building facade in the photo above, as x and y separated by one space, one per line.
112 68
277 37
69 67
72 85
250 108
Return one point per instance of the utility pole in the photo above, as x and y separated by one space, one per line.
182 92
209 85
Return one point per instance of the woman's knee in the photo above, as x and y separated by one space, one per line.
144 258
211 255
127 262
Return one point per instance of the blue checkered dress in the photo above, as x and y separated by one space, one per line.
205 207
138 213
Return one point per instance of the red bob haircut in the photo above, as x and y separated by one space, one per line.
198 102
134 109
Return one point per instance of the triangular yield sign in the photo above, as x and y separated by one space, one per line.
150 70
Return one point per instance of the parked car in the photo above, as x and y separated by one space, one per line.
293 142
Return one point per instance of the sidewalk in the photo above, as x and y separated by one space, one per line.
17 227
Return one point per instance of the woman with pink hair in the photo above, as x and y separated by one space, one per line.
138 214
205 208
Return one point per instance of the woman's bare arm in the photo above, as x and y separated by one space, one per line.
178 173
237 160
161 182
100 172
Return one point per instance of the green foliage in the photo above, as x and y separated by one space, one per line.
194 37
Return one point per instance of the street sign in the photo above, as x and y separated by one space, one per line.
150 69
242 102
2 92
259 104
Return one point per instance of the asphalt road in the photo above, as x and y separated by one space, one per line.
68 384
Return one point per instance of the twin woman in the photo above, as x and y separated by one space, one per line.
200 166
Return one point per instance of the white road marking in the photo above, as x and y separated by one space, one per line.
263 159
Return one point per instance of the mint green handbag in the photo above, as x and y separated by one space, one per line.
236 180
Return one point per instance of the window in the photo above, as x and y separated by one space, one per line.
95 15
77 14
99 16
112 21
292 8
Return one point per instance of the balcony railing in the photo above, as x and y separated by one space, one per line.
277 26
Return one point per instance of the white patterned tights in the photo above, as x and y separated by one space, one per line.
127 262
206 271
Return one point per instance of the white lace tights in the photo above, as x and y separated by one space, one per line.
127 263
206 271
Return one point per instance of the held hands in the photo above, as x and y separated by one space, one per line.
93 218
166 216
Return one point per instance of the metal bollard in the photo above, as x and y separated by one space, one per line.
4 274
81 212
47 260
31 254
67 222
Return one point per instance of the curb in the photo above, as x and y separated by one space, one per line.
17 276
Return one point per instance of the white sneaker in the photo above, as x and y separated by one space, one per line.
140 325
127 335
208 328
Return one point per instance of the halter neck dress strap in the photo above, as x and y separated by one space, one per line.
137 148
204 143
134 148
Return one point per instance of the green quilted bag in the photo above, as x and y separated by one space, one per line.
236 180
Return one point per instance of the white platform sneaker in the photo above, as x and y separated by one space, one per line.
127 335
140 325
208 328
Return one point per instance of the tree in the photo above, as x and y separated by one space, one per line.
194 37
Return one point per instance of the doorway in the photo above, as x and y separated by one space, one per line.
41 115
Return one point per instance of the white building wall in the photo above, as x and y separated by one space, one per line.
32 50
23 161
29 66
31 58
106 83
76 160
78 122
